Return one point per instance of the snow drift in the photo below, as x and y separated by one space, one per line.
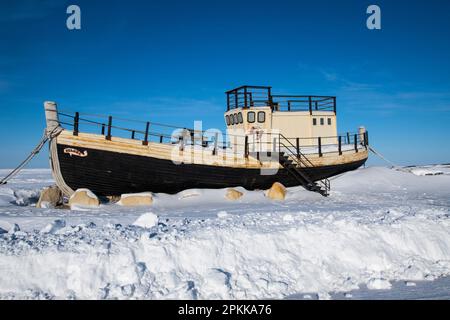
378 226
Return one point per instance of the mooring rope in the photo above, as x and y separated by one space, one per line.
397 167
381 156
33 153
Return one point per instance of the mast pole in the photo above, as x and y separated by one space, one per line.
51 116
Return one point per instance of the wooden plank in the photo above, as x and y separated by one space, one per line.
166 151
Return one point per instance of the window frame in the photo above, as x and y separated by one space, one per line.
236 120
240 117
314 121
257 116
232 119
248 116
227 119
329 121
322 121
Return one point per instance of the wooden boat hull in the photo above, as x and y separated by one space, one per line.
109 173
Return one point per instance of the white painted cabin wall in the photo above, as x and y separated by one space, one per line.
291 124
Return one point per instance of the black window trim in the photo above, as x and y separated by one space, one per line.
248 117
261 112
240 118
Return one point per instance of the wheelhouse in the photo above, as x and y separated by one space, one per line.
255 108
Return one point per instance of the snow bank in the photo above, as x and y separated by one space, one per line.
434 170
377 227
426 172
231 259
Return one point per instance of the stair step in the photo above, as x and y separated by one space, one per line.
287 162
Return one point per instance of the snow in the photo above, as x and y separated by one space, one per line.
147 220
378 284
54 226
379 230
222 214
438 289
26 189
429 171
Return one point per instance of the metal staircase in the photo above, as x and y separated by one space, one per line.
292 160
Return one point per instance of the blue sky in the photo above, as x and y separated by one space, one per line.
171 61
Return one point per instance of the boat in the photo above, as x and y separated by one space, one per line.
290 139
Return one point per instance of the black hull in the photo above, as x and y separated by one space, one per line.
111 173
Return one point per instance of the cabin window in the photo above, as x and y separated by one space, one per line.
329 121
322 121
235 118
231 119
251 117
228 120
240 119
261 117
314 122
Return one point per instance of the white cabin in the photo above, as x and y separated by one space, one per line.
300 119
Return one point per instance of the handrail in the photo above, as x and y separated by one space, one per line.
193 135
298 160
300 154
65 113
259 96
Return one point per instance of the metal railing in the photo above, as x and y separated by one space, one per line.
314 145
303 103
162 133
301 160
259 96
